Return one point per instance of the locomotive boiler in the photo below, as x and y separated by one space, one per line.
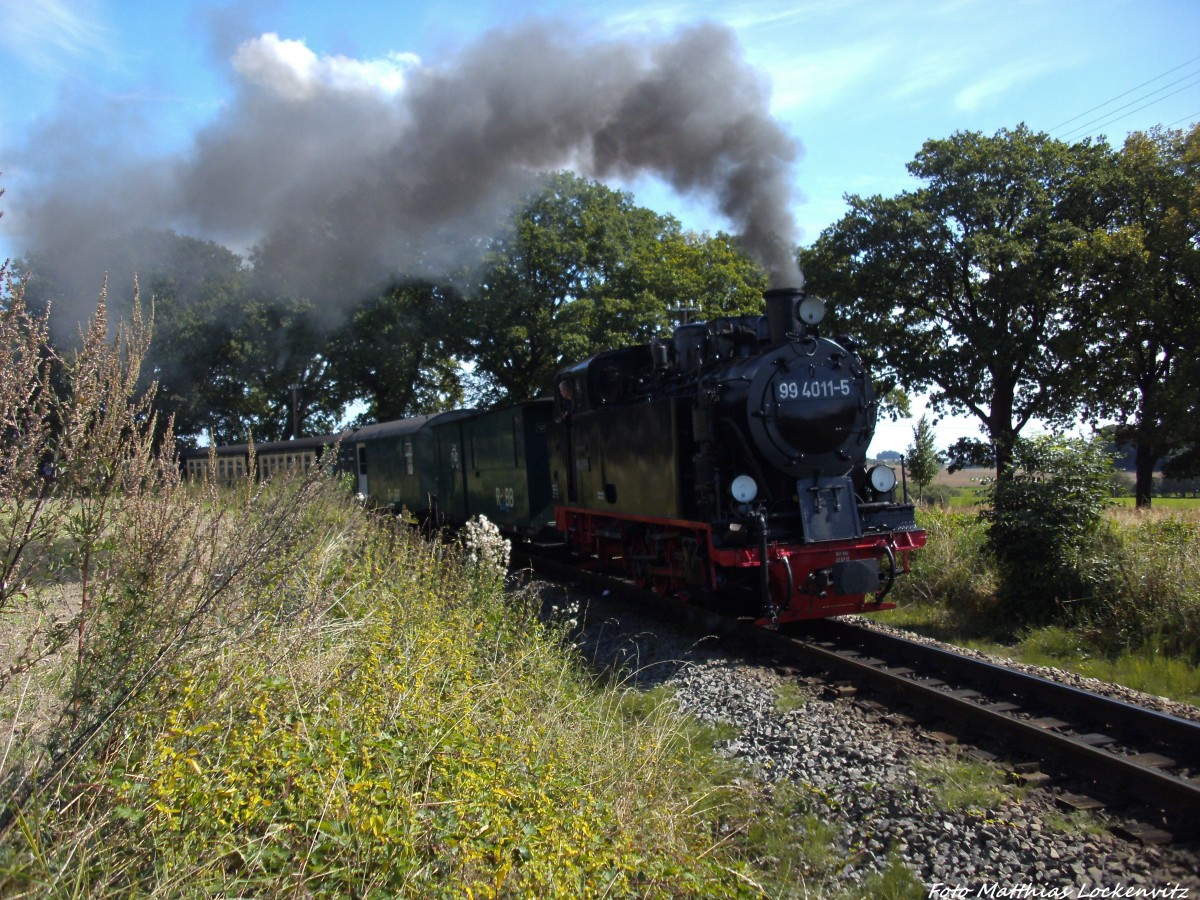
730 462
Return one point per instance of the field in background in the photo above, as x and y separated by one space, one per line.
967 485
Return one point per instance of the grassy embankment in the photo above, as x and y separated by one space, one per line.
1140 626
361 711
364 713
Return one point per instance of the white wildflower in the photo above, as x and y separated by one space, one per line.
486 547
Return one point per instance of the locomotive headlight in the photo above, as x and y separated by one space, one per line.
882 478
811 310
744 489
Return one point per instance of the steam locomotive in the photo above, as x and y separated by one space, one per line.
726 464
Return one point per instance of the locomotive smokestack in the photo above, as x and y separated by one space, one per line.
781 312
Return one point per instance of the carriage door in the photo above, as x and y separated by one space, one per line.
362 470
570 396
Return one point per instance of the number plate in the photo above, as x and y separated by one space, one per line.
813 388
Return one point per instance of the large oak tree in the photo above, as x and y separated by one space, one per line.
1145 288
398 352
584 269
969 286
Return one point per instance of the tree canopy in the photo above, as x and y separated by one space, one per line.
238 341
398 353
1143 268
584 269
1024 279
922 458
970 286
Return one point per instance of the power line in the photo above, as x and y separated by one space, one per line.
1193 117
1104 120
1126 93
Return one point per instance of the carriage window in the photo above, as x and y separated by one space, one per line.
408 457
362 460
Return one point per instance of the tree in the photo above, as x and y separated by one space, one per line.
195 288
584 269
922 459
968 286
1145 285
276 353
225 353
399 351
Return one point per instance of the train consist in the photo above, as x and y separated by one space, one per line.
726 464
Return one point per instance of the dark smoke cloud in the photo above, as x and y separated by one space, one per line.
342 171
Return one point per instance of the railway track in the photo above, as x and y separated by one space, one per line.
1100 752
1121 753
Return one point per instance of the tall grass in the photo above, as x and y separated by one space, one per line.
951 590
424 736
1145 572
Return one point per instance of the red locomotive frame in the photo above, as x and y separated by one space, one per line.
679 556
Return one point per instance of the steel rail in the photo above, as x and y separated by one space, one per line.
1178 797
1182 734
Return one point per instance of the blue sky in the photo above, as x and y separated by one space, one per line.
88 85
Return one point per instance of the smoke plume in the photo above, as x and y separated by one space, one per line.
341 171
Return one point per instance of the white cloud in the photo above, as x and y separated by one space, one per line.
50 34
291 70
988 89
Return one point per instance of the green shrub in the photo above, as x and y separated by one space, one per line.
1044 519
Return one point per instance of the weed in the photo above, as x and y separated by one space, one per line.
1076 822
789 697
897 881
964 784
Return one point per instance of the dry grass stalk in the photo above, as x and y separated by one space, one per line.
111 567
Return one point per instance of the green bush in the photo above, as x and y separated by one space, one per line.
1044 520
